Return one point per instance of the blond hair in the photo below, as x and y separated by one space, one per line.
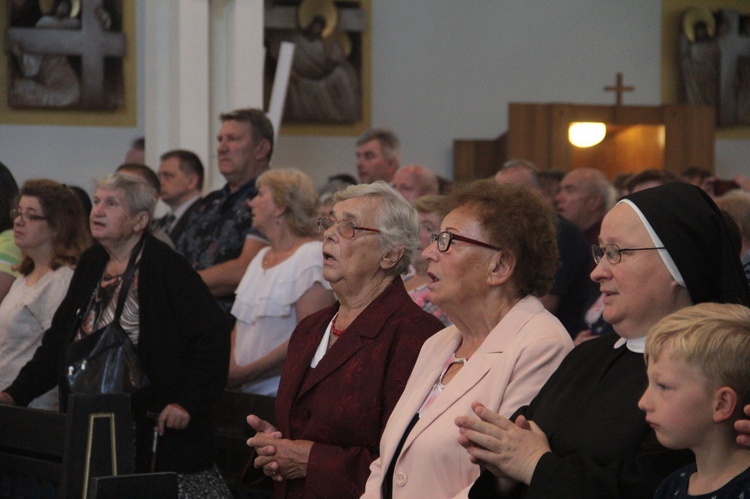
714 337
294 190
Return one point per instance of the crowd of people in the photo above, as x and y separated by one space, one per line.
534 334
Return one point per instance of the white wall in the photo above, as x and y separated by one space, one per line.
442 70
441 73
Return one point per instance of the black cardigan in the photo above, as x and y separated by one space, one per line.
184 343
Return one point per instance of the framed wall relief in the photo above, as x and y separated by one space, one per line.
329 84
706 59
68 62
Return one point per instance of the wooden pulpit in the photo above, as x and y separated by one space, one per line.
671 137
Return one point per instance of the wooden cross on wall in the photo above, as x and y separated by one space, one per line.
619 88
91 43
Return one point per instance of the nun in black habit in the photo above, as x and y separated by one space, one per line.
583 435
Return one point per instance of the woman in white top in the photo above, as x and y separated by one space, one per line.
283 283
49 227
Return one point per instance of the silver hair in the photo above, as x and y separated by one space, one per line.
598 183
607 191
139 193
520 164
427 181
397 220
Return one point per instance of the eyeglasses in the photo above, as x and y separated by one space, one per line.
613 252
344 227
25 216
445 238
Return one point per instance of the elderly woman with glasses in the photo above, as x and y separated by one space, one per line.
583 435
347 364
178 330
496 253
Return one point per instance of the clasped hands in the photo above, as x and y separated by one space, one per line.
280 458
509 450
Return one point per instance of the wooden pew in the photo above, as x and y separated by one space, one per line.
232 432
47 451
32 446
43 454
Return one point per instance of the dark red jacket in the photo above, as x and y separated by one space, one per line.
344 403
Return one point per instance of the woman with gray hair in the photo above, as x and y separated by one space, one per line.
347 364
178 330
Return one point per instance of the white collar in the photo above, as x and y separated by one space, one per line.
322 346
637 345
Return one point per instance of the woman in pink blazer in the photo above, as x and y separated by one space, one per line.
496 254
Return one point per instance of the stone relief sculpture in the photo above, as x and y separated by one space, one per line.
714 52
324 85
65 54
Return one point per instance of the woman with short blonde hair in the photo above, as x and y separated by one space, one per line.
283 283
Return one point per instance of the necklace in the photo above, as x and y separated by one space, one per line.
334 331
111 277
451 362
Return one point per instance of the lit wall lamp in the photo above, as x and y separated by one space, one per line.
586 134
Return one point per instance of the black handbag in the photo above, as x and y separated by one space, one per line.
106 361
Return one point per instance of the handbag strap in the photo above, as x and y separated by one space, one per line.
127 279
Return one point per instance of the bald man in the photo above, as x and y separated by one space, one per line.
585 196
414 181
573 290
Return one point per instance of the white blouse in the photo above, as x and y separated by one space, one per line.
25 314
265 306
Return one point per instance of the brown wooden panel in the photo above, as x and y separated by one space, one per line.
690 137
529 133
474 159
539 132
626 149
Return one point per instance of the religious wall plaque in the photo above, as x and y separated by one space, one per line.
328 91
706 59
68 58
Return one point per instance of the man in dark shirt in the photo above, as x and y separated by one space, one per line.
220 241
572 291
181 178
585 196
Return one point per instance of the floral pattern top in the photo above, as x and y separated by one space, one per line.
217 229
421 297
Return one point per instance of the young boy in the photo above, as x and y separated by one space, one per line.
698 381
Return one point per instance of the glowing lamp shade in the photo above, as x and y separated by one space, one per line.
586 134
